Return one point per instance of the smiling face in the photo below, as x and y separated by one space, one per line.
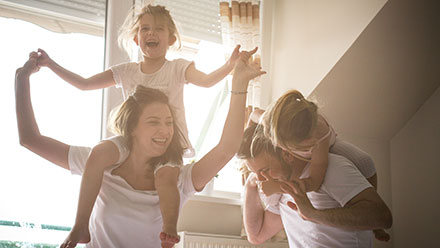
154 130
153 36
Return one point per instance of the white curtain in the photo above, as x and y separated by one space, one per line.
240 24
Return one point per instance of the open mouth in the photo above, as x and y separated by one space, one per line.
160 141
152 44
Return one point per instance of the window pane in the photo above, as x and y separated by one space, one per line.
32 189
208 56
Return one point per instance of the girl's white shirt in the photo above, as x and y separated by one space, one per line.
170 79
123 216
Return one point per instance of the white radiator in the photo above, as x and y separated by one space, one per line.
203 240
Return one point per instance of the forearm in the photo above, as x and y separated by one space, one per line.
361 216
253 213
234 124
27 126
217 75
90 187
228 145
68 76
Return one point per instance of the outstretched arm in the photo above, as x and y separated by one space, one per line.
29 134
205 169
98 81
202 79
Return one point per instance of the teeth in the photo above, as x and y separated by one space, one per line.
160 140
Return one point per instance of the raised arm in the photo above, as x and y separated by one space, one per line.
29 134
207 167
260 225
98 81
202 79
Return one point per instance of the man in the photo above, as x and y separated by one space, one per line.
340 214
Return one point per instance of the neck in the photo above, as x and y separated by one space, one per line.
137 161
151 65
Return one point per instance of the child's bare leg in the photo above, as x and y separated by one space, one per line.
169 199
99 159
381 235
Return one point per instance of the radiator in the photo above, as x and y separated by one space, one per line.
203 240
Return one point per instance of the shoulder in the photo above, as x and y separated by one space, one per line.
130 66
121 145
343 180
179 63
185 181
77 158
339 165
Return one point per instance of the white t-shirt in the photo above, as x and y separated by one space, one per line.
342 182
123 216
170 79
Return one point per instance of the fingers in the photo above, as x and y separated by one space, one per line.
291 187
33 55
68 244
245 55
41 51
237 49
266 175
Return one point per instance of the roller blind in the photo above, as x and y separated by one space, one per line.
197 19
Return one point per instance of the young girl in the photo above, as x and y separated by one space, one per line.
293 124
153 31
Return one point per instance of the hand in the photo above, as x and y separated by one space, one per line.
76 236
269 186
30 66
245 70
256 115
251 180
43 58
302 205
235 55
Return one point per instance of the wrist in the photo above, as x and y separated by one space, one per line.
239 85
229 65
22 73
50 63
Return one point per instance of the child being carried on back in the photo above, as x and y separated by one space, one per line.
153 31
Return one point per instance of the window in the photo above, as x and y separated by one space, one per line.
62 112
205 108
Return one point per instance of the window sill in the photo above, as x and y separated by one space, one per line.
220 197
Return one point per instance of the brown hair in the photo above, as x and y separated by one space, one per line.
290 120
130 27
126 116
254 143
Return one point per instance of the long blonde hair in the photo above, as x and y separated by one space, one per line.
290 120
130 27
125 118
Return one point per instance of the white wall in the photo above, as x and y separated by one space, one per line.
307 38
372 78
415 177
